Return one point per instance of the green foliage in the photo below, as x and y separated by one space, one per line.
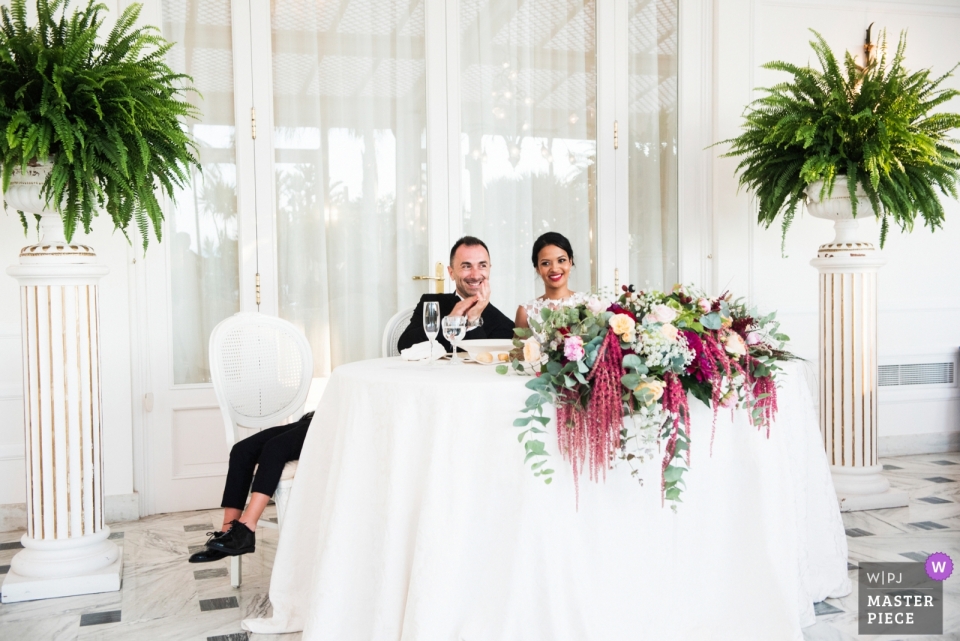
106 114
870 125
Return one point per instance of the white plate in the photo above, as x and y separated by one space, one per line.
492 346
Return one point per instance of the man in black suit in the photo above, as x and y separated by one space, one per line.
469 268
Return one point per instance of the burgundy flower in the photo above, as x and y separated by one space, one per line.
616 309
701 367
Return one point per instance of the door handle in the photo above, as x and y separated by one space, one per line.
438 278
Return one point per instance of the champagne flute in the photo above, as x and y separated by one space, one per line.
454 327
431 324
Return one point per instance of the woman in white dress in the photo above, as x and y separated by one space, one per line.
553 259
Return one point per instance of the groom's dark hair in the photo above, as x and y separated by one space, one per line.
469 241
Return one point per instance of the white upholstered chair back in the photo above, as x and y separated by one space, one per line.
262 368
391 333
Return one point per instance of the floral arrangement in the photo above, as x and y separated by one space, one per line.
619 371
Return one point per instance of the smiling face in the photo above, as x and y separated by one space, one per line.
471 266
554 266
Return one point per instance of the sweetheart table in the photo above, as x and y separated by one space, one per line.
414 518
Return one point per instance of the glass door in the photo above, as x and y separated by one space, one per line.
349 132
197 276
527 114
651 138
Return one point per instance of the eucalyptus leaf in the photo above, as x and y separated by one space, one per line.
711 321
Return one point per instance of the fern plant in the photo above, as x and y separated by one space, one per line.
106 114
870 125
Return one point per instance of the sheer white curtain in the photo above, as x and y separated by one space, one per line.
201 230
652 152
350 170
528 121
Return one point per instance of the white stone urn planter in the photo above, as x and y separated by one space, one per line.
67 550
839 209
848 268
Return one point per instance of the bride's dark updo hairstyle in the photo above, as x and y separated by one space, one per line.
555 239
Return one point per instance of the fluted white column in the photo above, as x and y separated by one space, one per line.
67 550
848 370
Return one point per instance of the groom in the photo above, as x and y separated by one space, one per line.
470 269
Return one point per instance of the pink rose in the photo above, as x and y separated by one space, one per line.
753 338
735 345
704 305
573 348
597 305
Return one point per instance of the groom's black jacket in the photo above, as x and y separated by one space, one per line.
495 324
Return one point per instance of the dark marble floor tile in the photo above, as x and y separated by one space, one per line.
115 535
12 545
4 569
236 636
196 548
851 566
212 573
939 479
889 467
943 462
934 500
197 527
855 532
915 556
822 608
928 525
97 618
222 603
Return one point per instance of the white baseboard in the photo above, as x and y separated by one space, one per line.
13 516
931 443
121 507
117 507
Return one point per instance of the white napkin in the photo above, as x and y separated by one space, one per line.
421 352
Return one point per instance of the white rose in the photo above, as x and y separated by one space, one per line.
663 313
670 332
531 350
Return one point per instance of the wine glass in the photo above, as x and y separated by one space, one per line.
431 323
454 327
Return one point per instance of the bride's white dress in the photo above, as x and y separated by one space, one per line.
534 306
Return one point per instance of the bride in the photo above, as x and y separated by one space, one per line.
553 259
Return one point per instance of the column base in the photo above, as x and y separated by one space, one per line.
18 588
865 488
883 500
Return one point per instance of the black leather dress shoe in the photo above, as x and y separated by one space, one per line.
239 539
205 556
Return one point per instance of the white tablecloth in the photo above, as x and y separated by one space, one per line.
414 518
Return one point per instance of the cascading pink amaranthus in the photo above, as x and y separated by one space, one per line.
592 435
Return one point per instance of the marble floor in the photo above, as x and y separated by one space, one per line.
163 597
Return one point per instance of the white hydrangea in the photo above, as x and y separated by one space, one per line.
657 351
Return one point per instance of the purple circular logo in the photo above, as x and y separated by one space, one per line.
939 566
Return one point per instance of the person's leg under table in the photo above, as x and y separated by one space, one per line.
244 457
240 537
277 452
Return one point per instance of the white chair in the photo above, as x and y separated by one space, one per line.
391 333
261 368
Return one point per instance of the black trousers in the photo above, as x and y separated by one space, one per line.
266 451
